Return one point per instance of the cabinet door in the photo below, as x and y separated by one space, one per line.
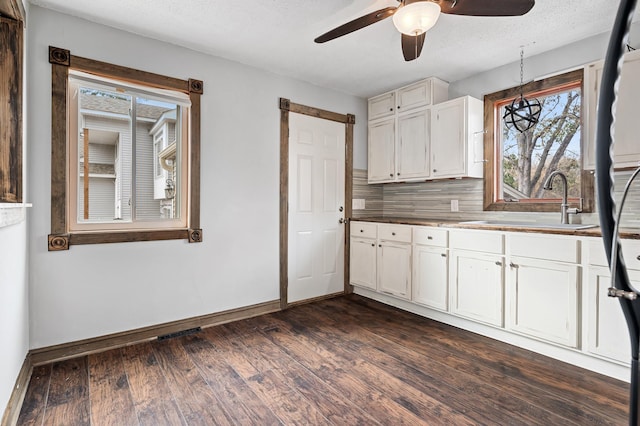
448 150
415 95
394 269
362 266
626 149
543 300
429 284
413 145
477 286
382 105
382 155
607 329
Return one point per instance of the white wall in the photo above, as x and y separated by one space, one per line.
94 290
555 61
14 297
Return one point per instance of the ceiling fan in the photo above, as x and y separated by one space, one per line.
414 17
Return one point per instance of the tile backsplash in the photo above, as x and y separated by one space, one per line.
432 200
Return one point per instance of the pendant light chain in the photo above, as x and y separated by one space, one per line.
523 113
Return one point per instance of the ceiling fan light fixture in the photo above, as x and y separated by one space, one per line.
416 18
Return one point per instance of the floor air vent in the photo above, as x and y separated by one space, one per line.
180 333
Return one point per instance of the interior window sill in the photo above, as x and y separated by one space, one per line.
12 213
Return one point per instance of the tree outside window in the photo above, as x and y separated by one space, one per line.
520 162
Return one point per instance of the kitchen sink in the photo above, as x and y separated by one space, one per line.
516 224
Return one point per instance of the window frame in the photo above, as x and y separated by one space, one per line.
61 238
11 172
493 153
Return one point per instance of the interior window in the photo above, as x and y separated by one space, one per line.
519 163
125 154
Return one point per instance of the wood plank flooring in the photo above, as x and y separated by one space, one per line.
344 361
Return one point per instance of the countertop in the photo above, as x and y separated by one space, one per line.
627 233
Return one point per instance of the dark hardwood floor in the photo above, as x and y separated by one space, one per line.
344 361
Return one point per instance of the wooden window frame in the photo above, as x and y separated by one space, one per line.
11 91
62 61
491 144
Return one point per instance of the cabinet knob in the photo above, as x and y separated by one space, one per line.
362 230
513 265
393 233
379 245
391 174
398 173
390 109
443 254
498 263
429 238
398 106
434 170
373 245
638 257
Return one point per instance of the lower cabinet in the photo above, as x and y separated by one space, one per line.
362 268
607 329
543 300
394 266
477 286
429 280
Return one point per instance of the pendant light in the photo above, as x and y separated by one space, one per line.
523 113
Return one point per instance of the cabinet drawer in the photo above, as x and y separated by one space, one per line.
483 241
430 236
558 249
630 251
363 229
400 233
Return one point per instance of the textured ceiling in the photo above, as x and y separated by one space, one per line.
277 35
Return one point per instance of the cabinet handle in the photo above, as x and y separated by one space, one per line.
429 238
513 265
498 263
443 254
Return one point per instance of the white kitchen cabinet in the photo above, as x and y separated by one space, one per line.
543 287
362 254
626 148
413 145
381 258
456 138
382 151
382 106
362 269
477 286
543 299
429 282
399 131
607 335
476 275
394 266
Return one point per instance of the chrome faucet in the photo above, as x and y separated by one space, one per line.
564 207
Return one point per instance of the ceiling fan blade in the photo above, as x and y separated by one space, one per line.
412 46
357 24
486 7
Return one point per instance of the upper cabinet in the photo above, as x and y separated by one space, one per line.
456 138
626 148
415 134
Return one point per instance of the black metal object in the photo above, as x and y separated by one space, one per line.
604 184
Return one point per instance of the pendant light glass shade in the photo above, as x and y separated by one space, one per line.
416 18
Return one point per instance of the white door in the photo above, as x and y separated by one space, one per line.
316 207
